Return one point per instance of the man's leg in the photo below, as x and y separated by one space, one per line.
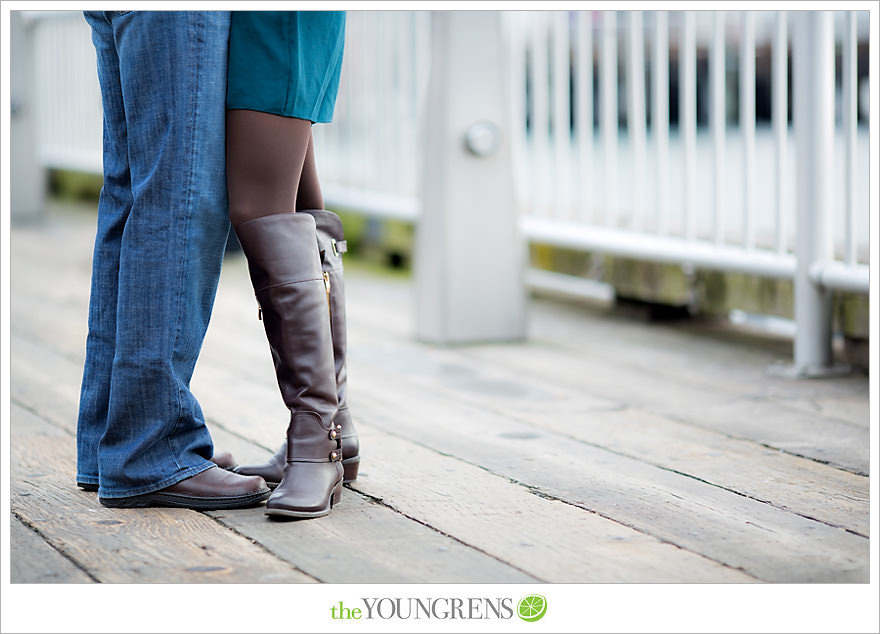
172 68
113 209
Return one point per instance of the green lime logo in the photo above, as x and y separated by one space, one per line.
532 608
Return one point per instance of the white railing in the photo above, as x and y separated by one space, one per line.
369 157
722 196
732 186
707 188
67 93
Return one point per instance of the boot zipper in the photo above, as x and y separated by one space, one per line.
259 312
327 287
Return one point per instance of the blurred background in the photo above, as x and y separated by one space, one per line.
650 157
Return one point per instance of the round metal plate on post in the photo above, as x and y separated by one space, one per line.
482 138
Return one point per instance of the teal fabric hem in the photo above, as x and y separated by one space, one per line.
280 112
286 62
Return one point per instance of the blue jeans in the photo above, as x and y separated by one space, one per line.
161 235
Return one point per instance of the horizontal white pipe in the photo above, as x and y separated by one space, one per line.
841 277
573 235
658 248
77 160
569 285
372 203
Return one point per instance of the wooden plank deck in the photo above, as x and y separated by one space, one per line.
604 449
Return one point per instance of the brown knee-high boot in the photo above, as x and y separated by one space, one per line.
331 245
285 270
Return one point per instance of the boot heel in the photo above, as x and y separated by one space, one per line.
350 469
337 495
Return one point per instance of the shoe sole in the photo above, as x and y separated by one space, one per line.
335 498
85 486
174 500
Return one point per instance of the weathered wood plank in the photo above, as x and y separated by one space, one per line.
766 421
362 541
803 486
769 543
32 560
558 566
810 489
555 541
703 381
127 545
44 381
52 323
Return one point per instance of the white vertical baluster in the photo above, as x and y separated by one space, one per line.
561 114
401 63
717 76
345 171
540 113
850 121
517 42
660 117
780 124
747 124
368 77
585 110
423 54
384 175
422 39
687 121
636 115
608 80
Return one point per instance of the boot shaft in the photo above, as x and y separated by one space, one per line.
285 269
280 249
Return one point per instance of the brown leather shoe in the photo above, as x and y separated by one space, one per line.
224 460
213 488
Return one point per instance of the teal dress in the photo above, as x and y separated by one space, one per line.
286 62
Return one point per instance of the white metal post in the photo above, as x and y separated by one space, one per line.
813 60
469 255
26 174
